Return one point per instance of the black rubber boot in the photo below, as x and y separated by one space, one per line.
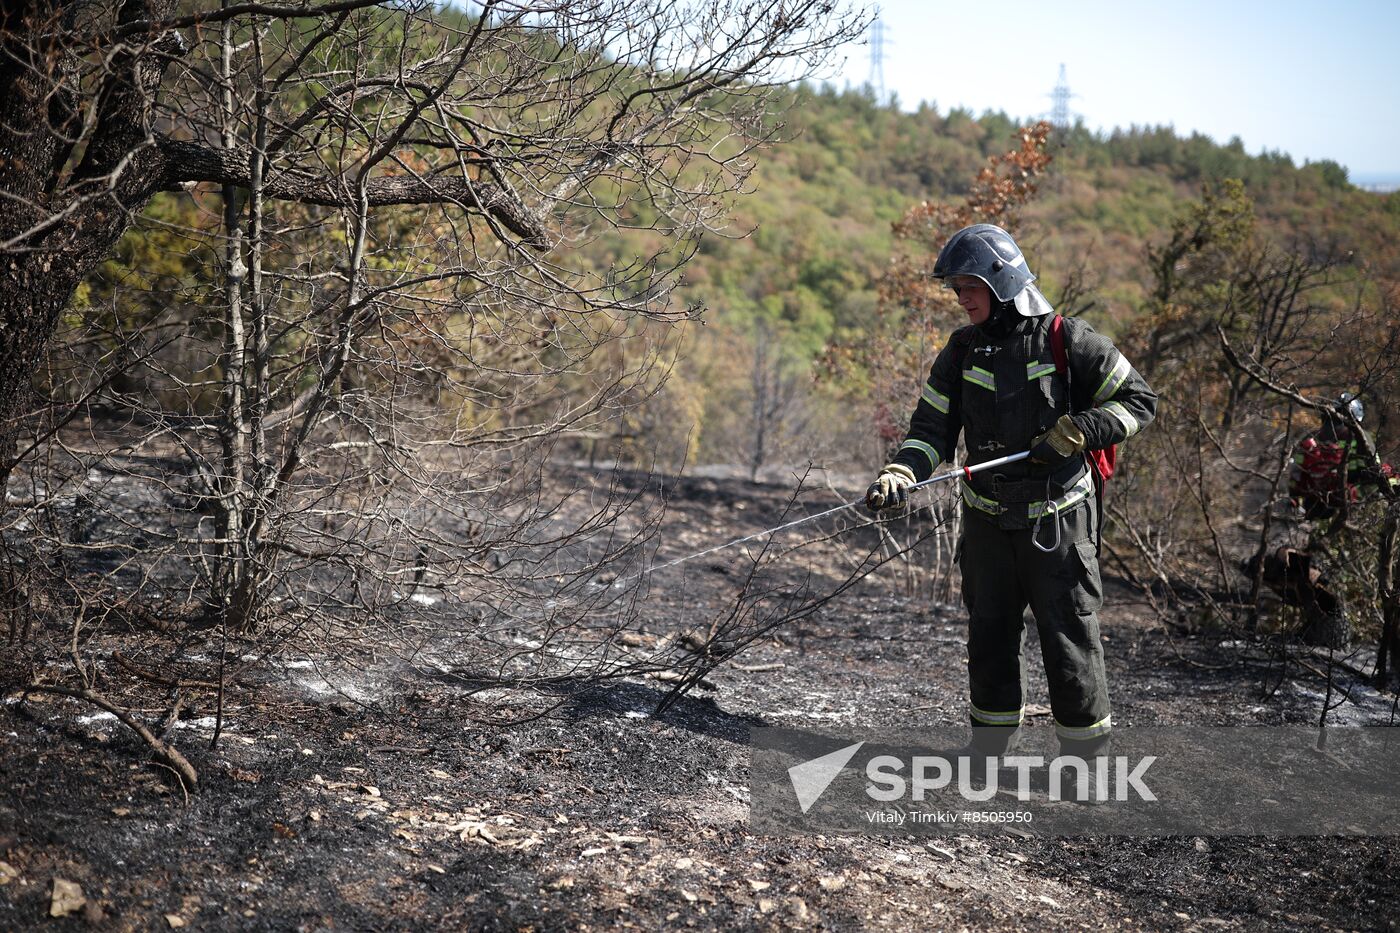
1091 751
993 742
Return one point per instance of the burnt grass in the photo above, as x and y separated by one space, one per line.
417 810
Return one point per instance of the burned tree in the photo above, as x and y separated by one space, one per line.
395 298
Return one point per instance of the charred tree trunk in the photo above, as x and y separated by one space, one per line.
60 221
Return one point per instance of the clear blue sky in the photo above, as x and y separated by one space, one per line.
1316 80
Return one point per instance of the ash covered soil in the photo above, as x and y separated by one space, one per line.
342 801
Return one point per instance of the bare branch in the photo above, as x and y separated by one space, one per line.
190 162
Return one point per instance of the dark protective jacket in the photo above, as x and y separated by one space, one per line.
1003 392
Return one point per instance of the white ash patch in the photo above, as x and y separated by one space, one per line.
94 718
204 722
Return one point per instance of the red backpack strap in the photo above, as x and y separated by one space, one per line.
1057 350
1057 345
1103 461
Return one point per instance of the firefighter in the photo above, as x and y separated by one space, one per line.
1329 465
1030 529
1331 469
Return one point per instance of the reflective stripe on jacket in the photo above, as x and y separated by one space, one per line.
999 394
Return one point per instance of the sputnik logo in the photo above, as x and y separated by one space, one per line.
810 779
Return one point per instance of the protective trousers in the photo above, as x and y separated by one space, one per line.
1002 573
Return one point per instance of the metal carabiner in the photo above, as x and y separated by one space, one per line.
1035 529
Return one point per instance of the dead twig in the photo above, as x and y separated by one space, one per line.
131 668
166 755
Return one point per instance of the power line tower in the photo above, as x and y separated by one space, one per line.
877 57
1059 112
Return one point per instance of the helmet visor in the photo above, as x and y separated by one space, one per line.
956 283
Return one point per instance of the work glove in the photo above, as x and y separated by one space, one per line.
890 489
1059 444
